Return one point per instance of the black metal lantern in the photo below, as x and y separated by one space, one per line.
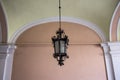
60 42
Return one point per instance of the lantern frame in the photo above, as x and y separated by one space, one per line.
60 43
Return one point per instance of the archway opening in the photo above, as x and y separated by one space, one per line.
33 57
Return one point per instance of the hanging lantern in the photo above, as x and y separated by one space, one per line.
60 43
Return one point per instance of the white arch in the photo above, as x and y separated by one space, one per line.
55 19
9 60
118 30
110 31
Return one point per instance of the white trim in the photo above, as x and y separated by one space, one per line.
6 54
8 67
55 19
118 29
0 33
111 23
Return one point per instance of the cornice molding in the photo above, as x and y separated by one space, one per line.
106 48
5 50
111 47
114 48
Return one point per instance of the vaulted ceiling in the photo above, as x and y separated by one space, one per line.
22 12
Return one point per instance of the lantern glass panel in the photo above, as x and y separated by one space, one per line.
57 47
62 46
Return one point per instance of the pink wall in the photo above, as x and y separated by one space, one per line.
35 62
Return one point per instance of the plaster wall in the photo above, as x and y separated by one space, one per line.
86 62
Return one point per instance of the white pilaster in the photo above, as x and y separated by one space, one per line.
9 62
108 62
3 54
115 53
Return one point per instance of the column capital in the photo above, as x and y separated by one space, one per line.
6 49
3 51
106 48
114 48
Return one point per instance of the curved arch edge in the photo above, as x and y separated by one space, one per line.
56 19
118 29
111 23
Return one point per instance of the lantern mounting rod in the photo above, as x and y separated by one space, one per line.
59 13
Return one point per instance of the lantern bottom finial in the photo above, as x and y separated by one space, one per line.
60 62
